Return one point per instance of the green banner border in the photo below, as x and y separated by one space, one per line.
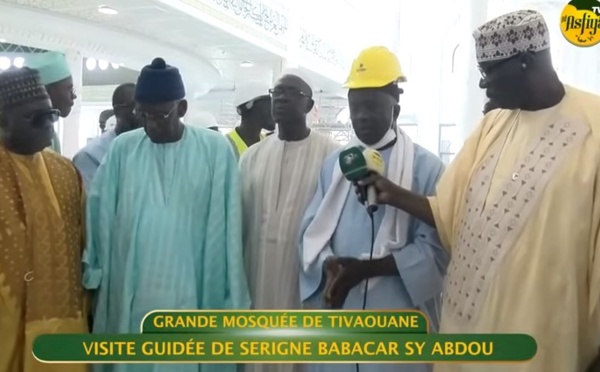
69 348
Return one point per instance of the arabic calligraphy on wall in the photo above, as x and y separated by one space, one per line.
257 13
276 24
319 48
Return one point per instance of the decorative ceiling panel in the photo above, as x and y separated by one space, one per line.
167 26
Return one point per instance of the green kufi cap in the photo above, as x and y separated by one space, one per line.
53 66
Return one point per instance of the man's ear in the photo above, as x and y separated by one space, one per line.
309 105
182 108
396 112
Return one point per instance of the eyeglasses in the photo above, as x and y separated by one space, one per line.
287 92
486 71
42 118
482 72
158 117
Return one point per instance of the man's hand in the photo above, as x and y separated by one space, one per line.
349 272
332 268
387 191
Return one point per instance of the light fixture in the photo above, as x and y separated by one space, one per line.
90 64
107 10
246 64
3 40
19 62
103 64
4 63
115 66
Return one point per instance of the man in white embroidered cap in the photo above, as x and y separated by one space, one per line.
519 208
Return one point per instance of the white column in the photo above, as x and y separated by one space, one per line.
424 78
70 134
473 14
292 56
427 80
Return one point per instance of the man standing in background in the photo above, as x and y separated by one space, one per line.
56 76
41 228
164 221
253 104
103 119
88 159
279 176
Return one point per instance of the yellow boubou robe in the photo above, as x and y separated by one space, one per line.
519 209
41 241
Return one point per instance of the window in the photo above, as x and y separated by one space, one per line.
447 139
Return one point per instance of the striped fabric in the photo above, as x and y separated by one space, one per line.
278 180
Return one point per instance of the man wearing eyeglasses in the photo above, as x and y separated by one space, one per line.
279 175
41 227
519 207
56 76
164 219
88 159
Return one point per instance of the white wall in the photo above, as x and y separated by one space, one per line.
89 126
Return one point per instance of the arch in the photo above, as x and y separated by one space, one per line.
454 56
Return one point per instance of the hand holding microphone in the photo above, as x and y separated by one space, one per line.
386 191
359 165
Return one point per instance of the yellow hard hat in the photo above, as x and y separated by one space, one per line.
375 67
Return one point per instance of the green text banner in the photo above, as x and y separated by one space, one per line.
288 347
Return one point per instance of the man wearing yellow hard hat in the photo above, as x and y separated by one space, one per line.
409 264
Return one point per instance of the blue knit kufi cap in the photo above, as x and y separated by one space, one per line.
159 83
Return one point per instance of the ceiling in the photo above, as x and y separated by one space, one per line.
208 57
159 24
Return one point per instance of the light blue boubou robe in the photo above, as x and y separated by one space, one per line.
422 262
89 158
164 232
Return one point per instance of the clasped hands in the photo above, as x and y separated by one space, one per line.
342 274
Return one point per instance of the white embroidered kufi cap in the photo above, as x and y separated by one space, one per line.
511 34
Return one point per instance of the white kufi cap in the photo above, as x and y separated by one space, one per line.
506 36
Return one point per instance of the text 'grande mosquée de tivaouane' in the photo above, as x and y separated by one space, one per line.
286 337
